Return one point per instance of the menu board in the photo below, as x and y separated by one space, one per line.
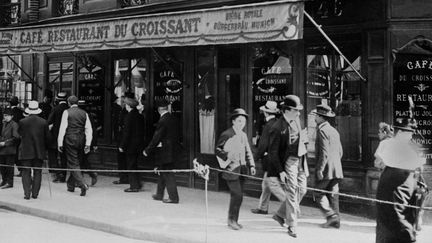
168 83
412 77
91 91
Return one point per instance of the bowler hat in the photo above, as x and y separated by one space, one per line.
162 103
61 96
239 112
33 108
324 110
406 124
291 101
131 102
8 111
270 107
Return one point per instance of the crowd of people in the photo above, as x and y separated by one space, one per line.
66 133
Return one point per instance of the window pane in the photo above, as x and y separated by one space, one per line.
206 87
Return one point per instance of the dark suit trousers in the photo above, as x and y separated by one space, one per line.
134 177
122 165
236 188
31 185
168 181
85 164
7 172
53 162
74 149
328 202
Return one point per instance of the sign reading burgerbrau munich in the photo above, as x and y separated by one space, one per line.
271 21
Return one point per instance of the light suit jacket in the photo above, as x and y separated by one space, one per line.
329 152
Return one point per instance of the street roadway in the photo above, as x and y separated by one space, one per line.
20 228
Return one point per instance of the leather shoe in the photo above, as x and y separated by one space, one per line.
279 219
233 225
34 196
3 183
156 197
7 186
258 211
119 182
169 201
93 180
27 197
292 231
332 221
71 189
131 190
84 189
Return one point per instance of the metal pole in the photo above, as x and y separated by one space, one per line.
333 44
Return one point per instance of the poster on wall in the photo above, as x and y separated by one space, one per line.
91 91
412 77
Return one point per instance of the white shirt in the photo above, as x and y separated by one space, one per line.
64 124
400 153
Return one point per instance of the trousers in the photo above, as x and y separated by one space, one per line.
31 185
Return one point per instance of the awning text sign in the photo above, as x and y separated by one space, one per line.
274 21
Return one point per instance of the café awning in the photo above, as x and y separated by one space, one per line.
258 22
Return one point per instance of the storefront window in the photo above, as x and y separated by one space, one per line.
60 77
10 78
331 81
129 81
206 86
272 80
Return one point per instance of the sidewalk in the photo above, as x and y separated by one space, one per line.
136 215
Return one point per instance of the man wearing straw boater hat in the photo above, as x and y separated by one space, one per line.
54 120
32 149
287 156
74 139
270 183
328 169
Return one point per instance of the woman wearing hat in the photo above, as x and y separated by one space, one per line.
395 223
234 155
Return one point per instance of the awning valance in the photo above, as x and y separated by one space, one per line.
259 22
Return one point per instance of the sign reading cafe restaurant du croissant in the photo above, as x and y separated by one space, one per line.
271 21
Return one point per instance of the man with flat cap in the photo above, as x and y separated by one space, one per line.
165 144
74 139
328 169
270 183
287 151
54 120
32 149
132 142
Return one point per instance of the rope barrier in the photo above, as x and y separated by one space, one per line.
202 171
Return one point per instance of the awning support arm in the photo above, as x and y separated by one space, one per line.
22 70
333 44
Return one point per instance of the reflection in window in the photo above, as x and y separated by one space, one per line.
60 77
206 100
331 81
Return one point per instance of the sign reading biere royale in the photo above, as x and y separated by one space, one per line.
273 21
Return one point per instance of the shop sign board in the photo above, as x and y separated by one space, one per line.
259 22
412 77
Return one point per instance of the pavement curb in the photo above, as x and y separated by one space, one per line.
92 224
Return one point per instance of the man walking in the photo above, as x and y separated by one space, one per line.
328 149
165 144
75 136
270 183
32 149
54 120
287 154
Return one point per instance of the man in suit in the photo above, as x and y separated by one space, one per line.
54 120
132 142
165 144
287 156
75 136
328 168
32 149
17 113
270 183
8 148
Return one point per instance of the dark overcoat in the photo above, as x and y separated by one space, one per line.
54 119
10 136
263 144
133 133
166 140
33 131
